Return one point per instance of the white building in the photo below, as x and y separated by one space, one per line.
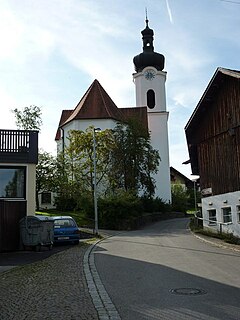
97 109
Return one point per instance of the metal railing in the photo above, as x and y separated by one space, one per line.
18 146
213 222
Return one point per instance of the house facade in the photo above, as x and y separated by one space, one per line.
97 109
18 159
213 138
177 178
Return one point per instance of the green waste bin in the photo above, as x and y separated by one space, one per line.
36 231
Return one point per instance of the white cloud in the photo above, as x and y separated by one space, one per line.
169 11
11 32
7 119
52 50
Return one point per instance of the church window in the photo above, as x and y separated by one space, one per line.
151 99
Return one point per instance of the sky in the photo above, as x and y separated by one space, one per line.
52 50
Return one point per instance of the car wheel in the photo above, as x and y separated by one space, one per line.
76 242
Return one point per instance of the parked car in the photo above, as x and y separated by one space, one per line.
66 230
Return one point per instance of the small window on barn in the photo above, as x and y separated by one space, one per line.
46 197
238 213
212 217
227 214
151 99
13 182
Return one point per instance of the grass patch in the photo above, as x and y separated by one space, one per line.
78 216
227 237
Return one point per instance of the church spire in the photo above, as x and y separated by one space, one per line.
148 57
147 37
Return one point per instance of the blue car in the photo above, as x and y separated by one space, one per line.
66 230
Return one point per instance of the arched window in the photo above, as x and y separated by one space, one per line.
151 99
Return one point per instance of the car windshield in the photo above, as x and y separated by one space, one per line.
59 223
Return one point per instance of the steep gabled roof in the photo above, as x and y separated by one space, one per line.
174 172
95 104
64 116
206 102
209 93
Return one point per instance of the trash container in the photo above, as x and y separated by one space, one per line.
36 231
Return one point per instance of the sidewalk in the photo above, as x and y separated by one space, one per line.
217 242
54 288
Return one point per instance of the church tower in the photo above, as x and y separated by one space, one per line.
149 82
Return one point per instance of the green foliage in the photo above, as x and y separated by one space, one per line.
227 237
115 209
179 198
29 118
79 155
64 186
64 202
85 205
125 161
154 205
45 173
133 160
184 199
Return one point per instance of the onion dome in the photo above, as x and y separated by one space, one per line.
148 57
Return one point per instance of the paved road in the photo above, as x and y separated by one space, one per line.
164 272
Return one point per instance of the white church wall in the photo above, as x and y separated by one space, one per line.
157 123
158 128
157 84
83 125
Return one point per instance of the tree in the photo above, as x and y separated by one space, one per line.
134 160
29 118
180 198
75 172
79 153
45 173
125 160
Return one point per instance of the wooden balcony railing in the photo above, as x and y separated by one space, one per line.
18 146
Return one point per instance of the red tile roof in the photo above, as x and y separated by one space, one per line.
138 113
96 104
64 116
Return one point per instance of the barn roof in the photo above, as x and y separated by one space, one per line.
209 93
200 111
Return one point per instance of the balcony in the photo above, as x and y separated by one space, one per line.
18 146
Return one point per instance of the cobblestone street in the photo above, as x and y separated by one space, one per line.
54 288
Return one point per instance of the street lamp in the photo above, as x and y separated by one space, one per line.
195 195
95 181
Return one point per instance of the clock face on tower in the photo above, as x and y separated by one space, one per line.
149 74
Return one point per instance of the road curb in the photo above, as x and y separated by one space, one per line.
105 308
214 243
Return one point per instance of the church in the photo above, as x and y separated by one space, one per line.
97 109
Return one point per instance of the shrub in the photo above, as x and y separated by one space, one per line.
179 198
154 205
118 208
64 203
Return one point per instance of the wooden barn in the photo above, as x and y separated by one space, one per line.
213 138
